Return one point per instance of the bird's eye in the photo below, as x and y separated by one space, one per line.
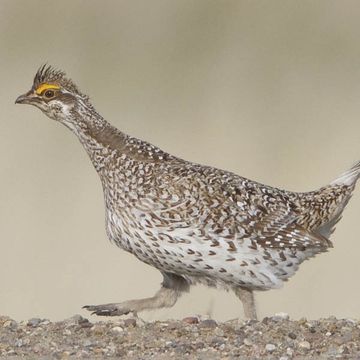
49 94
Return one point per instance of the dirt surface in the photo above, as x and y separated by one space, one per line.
276 337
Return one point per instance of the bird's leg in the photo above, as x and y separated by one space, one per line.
247 298
172 287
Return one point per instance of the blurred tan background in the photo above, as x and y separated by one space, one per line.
269 90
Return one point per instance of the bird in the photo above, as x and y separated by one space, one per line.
196 224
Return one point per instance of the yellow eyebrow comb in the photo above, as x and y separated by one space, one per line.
45 86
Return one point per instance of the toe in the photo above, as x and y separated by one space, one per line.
106 310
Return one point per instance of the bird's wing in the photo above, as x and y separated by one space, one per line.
224 205
279 228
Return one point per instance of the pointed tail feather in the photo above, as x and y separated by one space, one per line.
349 177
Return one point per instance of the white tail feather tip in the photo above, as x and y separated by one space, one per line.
348 177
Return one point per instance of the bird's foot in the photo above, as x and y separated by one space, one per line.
110 309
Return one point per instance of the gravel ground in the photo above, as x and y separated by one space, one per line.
275 337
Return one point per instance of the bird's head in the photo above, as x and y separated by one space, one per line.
54 94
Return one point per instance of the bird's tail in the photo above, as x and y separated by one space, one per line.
349 177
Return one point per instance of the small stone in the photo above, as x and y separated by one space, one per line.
292 335
332 351
248 342
216 341
37 348
117 329
111 349
281 316
191 320
348 336
18 343
304 345
130 322
67 332
77 320
10 324
4 319
173 325
351 321
87 343
140 322
222 347
344 350
82 354
97 329
270 347
289 351
219 332
328 333
34 322
209 324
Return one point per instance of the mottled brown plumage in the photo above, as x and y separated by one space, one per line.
195 223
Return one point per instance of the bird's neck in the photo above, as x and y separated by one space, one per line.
99 138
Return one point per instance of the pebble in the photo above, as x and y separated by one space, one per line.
10 324
248 342
219 332
76 320
117 329
82 354
174 325
87 343
97 329
34 322
343 350
191 320
208 324
270 347
348 336
281 316
304 345
19 343
140 322
37 348
130 322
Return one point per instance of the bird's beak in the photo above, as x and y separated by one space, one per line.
26 98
